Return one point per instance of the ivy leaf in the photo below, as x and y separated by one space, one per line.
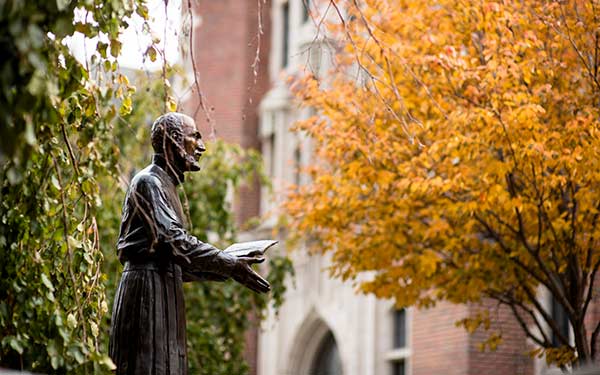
55 182
30 134
16 345
126 106
71 320
46 281
62 4
51 348
101 48
171 104
55 362
142 11
94 329
151 53
106 361
115 47
74 243
76 353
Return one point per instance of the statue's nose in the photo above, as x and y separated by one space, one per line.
201 146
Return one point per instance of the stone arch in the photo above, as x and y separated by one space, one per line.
306 344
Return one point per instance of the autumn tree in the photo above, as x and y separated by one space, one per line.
457 150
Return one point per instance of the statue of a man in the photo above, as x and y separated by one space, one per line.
148 319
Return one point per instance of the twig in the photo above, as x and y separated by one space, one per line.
201 101
69 249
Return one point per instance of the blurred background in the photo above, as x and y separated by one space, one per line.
238 68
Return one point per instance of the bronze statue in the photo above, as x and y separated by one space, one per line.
148 320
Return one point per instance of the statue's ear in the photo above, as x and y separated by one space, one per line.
166 139
174 147
161 139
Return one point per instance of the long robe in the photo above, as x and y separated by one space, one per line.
148 318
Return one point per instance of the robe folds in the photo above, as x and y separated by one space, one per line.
148 318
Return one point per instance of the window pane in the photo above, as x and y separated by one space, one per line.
286 31
398 368
305 10
399 328
297 164
272 155
559 315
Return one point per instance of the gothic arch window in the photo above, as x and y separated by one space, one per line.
327 358
314 350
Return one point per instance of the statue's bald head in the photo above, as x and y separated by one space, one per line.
176 138
169 129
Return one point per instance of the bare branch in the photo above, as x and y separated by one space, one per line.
513 303
65 223
547 317
590 291
201 100
541 342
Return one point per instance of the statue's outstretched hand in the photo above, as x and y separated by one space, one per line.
245 275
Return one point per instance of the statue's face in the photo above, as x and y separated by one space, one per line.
192 145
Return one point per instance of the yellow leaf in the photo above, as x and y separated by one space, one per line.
171 104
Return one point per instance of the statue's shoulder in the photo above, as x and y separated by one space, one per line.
148 177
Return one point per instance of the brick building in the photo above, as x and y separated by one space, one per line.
230 69
324 327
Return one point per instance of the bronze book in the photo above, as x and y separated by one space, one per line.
250 248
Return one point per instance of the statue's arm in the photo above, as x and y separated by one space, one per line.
164 226
197 259
188 275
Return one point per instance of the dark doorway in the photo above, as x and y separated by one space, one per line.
327 359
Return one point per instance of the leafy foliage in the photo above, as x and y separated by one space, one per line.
55 129
463 162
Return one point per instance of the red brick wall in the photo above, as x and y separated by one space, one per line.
511 357
251 350
438 346
225 45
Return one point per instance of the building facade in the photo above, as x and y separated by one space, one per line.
230 60
324 326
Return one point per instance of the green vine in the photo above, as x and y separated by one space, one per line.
55 141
